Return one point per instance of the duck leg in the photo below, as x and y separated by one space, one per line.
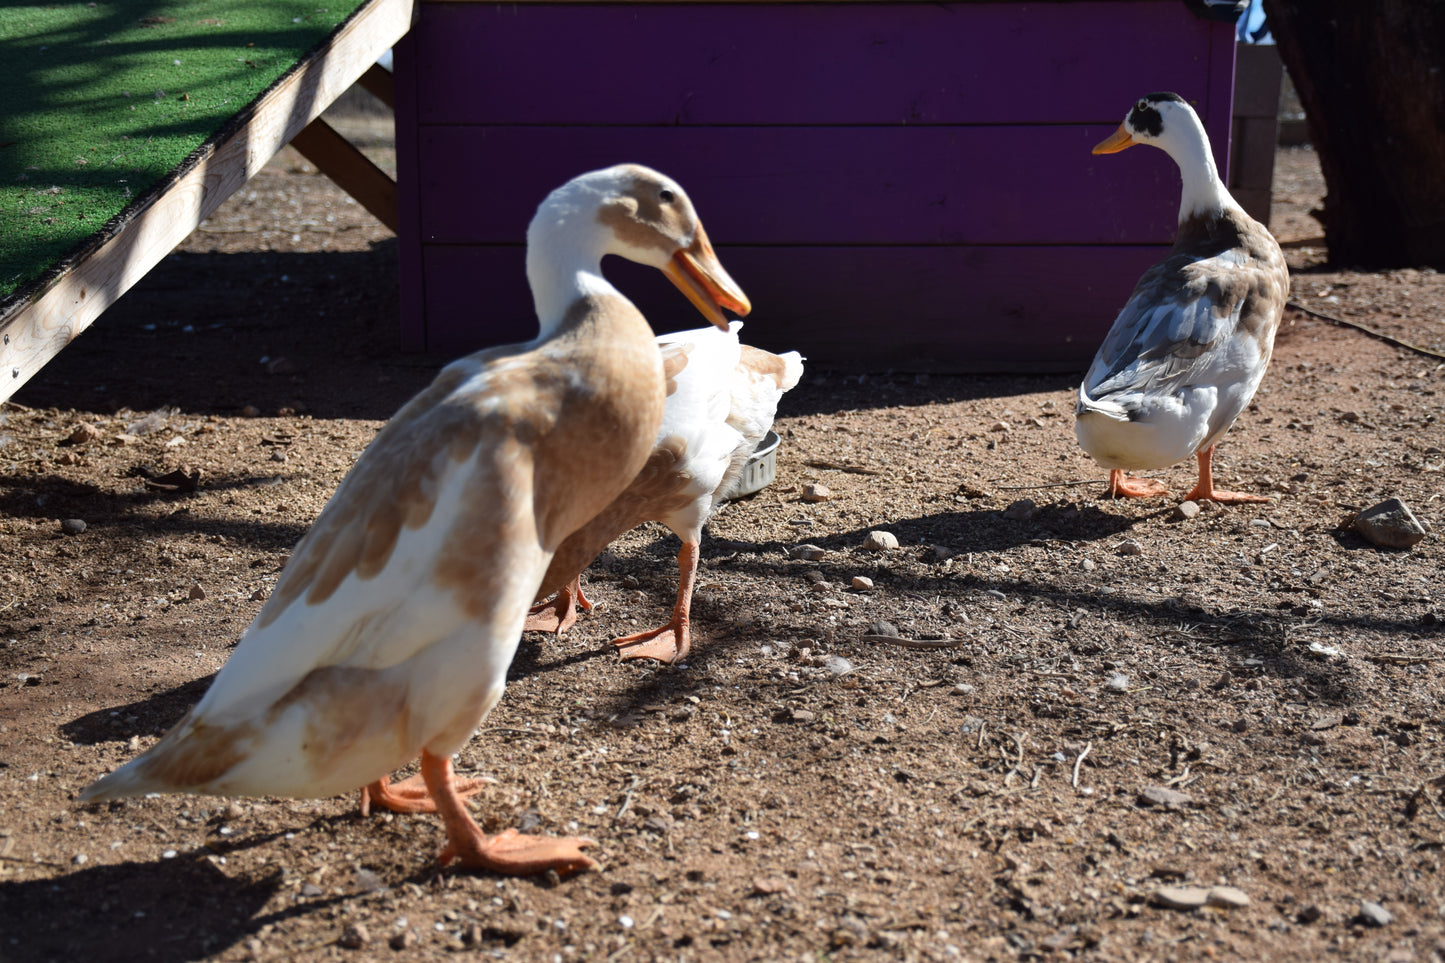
509 852
1204 490
410 795
670 642
1122 486
559 614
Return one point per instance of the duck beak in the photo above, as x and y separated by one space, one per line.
1115 142
698 274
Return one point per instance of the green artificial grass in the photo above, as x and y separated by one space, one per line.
99 101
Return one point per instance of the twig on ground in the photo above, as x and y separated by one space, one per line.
1388 339
1079 761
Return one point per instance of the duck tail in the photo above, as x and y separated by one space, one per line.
1109 409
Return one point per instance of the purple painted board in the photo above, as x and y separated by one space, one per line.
809 63
939 308
819 186
410 275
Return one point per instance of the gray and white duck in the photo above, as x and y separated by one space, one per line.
1190 347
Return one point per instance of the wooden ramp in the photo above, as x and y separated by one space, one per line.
46 317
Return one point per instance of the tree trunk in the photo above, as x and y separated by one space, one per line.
1371 77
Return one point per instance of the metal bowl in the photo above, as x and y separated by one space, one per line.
760 470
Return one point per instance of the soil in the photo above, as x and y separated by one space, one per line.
1117 700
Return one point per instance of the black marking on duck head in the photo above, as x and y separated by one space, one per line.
1145 117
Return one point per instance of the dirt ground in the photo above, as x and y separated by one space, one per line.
1128 701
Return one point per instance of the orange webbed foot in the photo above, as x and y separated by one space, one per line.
560 613
1124 486
515 854
1223 497
410 795
665 644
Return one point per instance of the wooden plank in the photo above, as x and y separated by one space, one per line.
349 168
379 82
36 331
918 308
880 63
819 185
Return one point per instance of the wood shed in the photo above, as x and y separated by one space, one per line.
896 185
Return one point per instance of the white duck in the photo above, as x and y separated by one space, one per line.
722 397
1190 347
390 632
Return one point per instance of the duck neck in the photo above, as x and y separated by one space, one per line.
564 264
1203 193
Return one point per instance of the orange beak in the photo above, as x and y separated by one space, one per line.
1115 142
699 274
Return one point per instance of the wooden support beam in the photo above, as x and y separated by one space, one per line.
380 84
36 330
349 168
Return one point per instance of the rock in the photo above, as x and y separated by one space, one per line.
1181 897
1021 510
801 716
880 542
999 426
817 492
125 438
861 583
311 889
1164 798
836 665
1373 914
67 458
185 479
259 595
942 553
1310 914
404 940
73 526
1088 565
807 552
354 937
1184 511
963 689
250 411
771 885
883 627
83 434
1228 897
196 592
1390 524
1130 547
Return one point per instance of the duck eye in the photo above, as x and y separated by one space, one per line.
1142 105
667 196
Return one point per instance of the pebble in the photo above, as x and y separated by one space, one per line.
801 716
1130 547
73 526
83 434
963 689
1390 524
1088 565
808 552
1185 511
354 937
259 595
1228 897
836 665
1021 510
883 627
817 492
311 889
861 583
942 553
1373 914
880 542
250 411
196 591
1181 897
81 859
1164 798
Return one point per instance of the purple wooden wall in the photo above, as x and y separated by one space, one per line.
901 185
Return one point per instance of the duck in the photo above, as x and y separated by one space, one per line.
389 634
1191 345
722 398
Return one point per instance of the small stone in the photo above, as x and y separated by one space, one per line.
354 937
1310 914
942 553
808 552
404 940
861 583
883 627
1130 547
801 715
1373 914
73 526
1021 510
817 492
124 438
963 689
81 859
770 886
312 890
1088 565
1228 897
83 435
250 411
259 595
1181 897
1184 511
196 591
836 665
1390 524
1164 798
67 458
999 426
880 542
